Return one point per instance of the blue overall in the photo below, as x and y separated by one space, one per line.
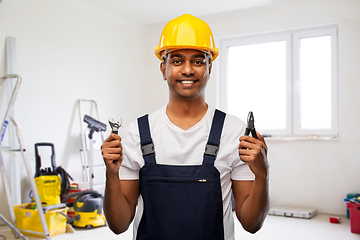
181 202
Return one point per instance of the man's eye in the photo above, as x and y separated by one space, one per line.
176 61
199 62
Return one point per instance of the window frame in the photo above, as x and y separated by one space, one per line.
293 108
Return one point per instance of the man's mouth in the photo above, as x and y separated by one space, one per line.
187 82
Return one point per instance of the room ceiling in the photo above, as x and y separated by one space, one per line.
148 12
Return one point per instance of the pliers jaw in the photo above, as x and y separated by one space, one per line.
250 128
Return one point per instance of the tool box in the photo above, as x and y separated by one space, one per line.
354 209
28 220
293 212
350 196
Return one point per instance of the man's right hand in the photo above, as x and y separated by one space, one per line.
120 196
112 153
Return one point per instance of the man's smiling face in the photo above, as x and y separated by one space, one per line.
187 72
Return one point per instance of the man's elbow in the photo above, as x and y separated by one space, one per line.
253 229
254 225
118 230
117 226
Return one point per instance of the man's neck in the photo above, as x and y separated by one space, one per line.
186 114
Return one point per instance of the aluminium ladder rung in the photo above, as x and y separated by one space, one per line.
12 149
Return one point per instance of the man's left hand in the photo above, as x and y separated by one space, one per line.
254 152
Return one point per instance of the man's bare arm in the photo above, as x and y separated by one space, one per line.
120 196
251 203
252 197
120 202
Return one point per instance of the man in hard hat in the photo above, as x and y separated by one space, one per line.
180 164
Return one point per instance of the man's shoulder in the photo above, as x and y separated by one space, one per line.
130 131
151 115
234 119
231 119
233 125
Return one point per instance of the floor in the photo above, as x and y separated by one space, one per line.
279 228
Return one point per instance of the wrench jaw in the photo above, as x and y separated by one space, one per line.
115 124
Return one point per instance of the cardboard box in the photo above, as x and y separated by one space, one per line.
354 209
28 220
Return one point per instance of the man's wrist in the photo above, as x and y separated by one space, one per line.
262 177
112 175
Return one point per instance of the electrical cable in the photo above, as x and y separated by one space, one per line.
65 182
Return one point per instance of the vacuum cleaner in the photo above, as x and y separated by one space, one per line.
88 207
88 204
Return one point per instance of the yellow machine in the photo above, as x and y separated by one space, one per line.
88 207
51 182
49 189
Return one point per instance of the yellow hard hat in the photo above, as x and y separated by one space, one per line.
187 32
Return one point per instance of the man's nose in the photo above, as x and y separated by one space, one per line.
187 69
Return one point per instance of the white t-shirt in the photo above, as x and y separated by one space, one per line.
175 146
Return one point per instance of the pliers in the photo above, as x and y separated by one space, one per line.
250 128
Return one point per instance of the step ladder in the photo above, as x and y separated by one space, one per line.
8 119
87 151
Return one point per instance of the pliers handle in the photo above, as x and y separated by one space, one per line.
250 128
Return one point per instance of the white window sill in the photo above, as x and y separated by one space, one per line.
300 138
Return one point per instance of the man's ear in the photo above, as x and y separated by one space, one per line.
210 67
163 70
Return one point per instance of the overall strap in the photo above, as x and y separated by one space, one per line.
147 145
212 146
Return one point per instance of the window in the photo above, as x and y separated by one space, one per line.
288 79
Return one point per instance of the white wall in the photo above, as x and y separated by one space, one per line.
311 174
65 52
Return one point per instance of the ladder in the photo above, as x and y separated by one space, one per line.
86 150
7 119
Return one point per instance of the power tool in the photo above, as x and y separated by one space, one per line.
51 182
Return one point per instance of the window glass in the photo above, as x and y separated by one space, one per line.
258 70
287 79
315 80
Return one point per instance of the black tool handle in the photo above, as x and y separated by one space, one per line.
253 133
38 158
117 133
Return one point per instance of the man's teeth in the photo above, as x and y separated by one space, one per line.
187 82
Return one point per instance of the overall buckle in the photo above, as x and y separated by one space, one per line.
211 150
148 149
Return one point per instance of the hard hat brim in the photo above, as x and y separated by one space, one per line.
213 51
